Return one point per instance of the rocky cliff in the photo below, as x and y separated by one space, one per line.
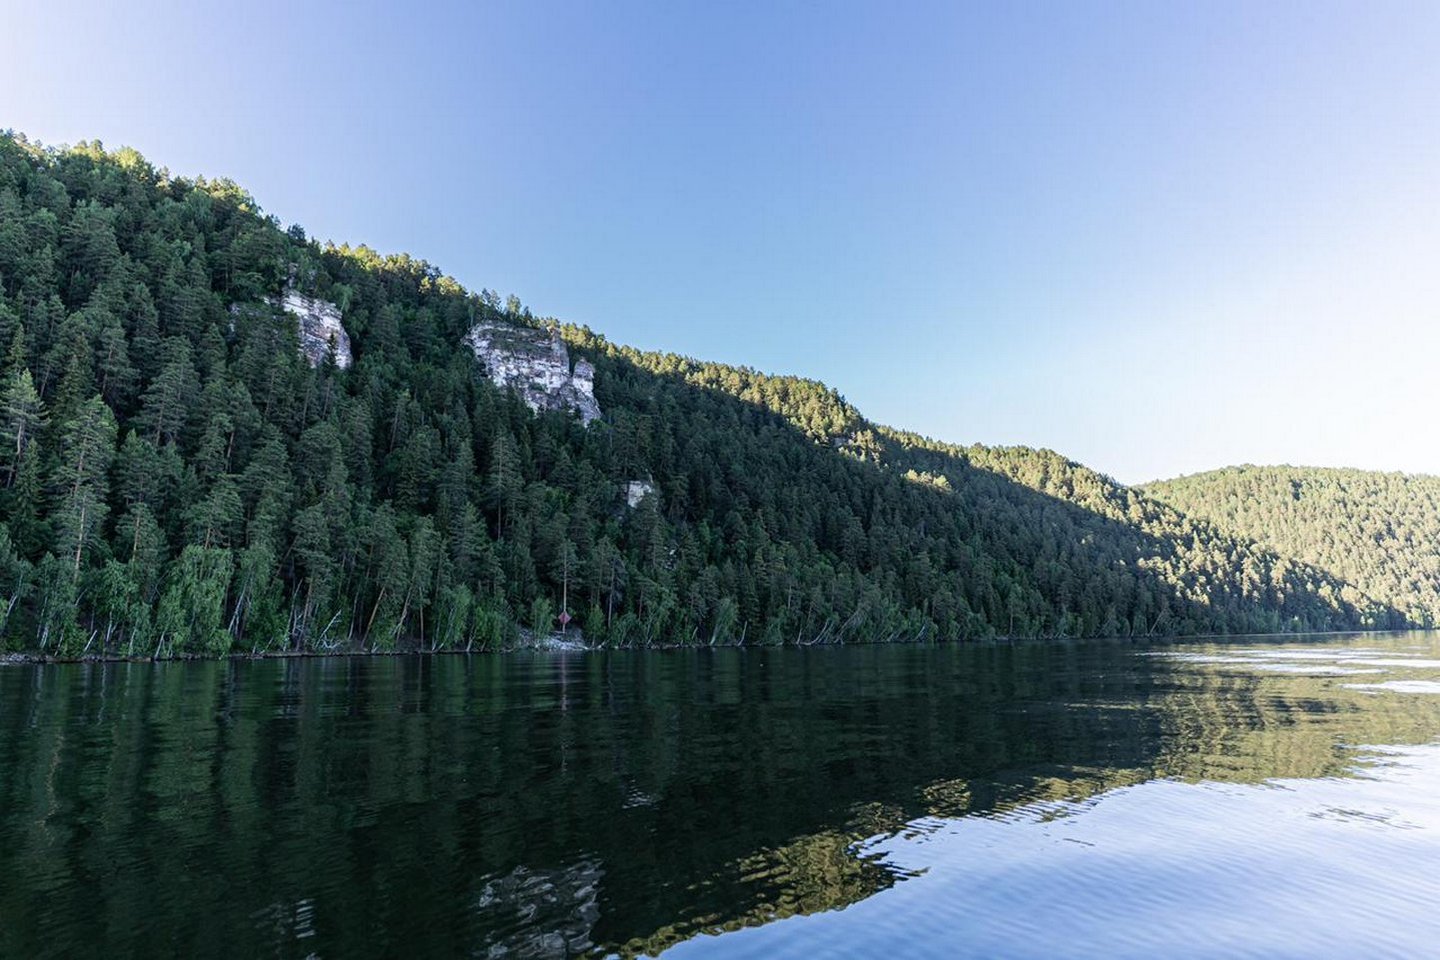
536 365
636 491
319 326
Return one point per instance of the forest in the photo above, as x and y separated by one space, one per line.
176 479
1379 531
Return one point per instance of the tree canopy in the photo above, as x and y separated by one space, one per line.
176 478
1378 531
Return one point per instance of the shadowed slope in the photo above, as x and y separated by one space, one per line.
1378 531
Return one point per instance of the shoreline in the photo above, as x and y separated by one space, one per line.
572 646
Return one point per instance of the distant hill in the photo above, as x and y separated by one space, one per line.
1378 531
217 435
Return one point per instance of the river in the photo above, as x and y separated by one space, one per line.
1256 796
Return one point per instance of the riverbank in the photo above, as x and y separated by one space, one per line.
555 643
575 643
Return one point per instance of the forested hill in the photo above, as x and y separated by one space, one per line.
177 476
1379 531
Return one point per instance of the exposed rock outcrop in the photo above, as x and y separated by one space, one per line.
537 366
319 326
637 490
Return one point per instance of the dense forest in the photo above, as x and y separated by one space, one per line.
176 478
1379 531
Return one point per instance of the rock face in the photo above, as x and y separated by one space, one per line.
637 490
537 366
319 325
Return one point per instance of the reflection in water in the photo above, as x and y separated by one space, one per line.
1302 869
542 913
1026 799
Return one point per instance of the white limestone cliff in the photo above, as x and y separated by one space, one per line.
536 365
319 326
637 490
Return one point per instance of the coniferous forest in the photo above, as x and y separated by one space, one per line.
176 478
1379 531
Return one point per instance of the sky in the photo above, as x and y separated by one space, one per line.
1159 238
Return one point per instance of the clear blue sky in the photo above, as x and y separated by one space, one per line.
1156 237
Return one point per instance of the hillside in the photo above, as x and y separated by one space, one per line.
1378 531
219 435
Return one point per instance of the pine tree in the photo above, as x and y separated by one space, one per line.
215 520
425 555
22 416
112 363
143 327
316 573
80 480
166 404
15 581
505 481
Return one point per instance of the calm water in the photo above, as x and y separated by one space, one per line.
1248 798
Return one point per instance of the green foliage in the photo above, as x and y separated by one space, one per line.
176 479
1376 531
542 616
190 616
80 480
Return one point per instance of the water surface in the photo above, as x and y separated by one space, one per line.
1270 798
